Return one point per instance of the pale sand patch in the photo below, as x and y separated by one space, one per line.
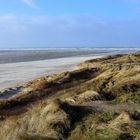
15 74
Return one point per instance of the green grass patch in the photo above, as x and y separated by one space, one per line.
106 116
133 97
102 134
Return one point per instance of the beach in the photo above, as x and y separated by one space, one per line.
15 74
19 67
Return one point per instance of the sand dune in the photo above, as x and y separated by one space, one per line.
98 100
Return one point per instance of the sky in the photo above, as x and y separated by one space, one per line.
69 23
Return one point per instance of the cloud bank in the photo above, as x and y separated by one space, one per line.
67 31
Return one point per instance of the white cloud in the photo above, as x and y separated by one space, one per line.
30 3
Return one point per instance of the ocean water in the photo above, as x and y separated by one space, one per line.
25 55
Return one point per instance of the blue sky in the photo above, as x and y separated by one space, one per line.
69 23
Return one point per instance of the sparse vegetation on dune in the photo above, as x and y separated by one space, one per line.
97 101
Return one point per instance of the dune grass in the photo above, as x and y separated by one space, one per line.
55 107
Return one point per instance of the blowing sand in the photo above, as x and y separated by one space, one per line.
15 74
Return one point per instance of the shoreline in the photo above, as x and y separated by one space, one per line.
17 74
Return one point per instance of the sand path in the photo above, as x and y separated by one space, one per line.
105 106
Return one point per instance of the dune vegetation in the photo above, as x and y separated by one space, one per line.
99 100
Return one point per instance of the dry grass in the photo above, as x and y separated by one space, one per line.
43 121
84 97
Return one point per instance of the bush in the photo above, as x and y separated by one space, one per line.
106 116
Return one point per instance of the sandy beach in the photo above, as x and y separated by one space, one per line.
18 67
15 74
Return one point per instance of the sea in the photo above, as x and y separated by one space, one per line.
34 54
